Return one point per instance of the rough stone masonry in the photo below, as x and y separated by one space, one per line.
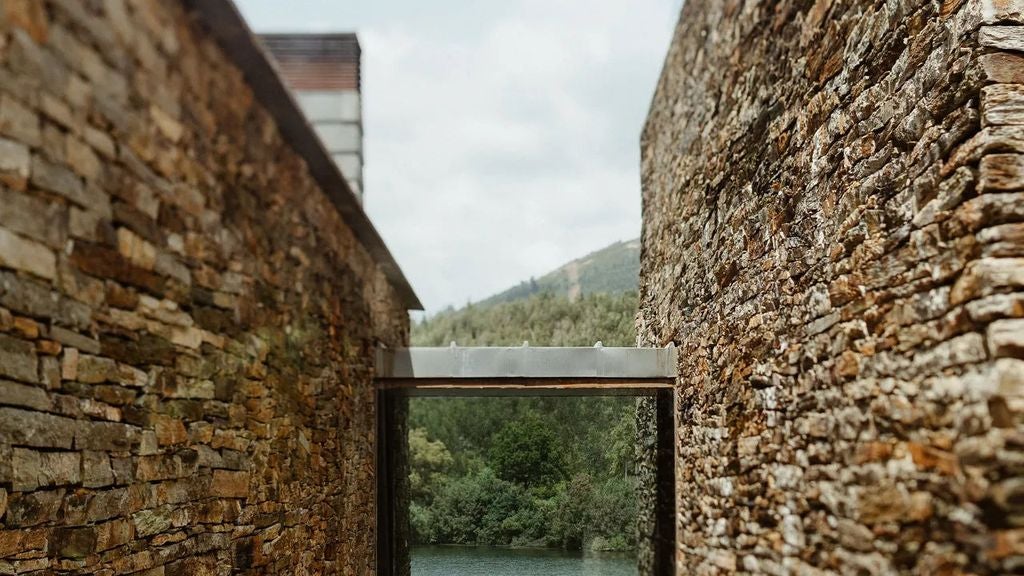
834 237
186 321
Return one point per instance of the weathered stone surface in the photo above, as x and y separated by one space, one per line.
33 217
14 164
1006 338
830 203
96 470
32 469
230 484
1005 37
24 254
94 369
189 256
37 429
14 394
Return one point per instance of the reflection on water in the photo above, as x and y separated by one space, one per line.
487 561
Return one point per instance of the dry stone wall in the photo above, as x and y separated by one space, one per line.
187 325
834 238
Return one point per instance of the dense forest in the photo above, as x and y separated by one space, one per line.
543 471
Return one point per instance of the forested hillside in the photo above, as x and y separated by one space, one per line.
546 471
542 319
610 270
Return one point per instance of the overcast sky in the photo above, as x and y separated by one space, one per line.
501 138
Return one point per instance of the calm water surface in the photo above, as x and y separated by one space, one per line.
486 561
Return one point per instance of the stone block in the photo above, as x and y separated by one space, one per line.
33 508
69 364
96 470
135 249
27 296
161 467
1003 67
85 224
96 369
19 122
59 180
15 164
150 522
106 436
113 534
101 262
1001 172
1006 338
73 542
23 254
170 431
18 359
32 469
230 484
986 276
75 340
49 371
1001 105
34 217
82 159
14 394
1002 37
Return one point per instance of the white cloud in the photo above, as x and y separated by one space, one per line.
502 139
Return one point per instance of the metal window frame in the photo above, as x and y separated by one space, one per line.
517 371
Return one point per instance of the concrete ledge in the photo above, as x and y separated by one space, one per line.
495 363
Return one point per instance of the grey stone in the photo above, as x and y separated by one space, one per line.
37 429
18 359
14 163
33 508
60 180
18 121
14 394
96 470
33 217
75 340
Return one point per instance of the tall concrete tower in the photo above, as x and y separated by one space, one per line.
323 72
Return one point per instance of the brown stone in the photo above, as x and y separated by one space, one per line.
230 484
73 542
170 431
101 262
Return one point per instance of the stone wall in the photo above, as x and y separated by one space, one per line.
187 325
834 238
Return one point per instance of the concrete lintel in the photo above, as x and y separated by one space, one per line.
487 363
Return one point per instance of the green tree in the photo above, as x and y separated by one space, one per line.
525 452
428 462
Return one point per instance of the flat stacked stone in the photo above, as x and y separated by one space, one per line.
834 240
186 322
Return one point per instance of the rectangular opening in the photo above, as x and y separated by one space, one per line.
653 479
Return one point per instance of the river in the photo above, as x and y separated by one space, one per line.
488 561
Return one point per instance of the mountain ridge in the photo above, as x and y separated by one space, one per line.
612 269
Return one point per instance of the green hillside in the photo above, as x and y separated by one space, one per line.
610 270
532 471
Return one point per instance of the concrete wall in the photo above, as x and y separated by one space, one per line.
834 238
187 325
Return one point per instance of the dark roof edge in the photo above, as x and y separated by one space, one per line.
229 28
